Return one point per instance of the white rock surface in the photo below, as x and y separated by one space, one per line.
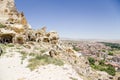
12 69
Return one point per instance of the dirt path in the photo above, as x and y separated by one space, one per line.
12 69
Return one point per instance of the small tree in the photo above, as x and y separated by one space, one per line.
111 70
91 60
110 53
101 62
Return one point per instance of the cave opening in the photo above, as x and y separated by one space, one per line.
6 38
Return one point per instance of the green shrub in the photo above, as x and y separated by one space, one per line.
42 51
2 26
101 62
43 60
76 48
73 78
91 60
110 70
112 45
103 50
110 53
102 66
32 54
24 55
10 45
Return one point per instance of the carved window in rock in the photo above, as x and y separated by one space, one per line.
46 40
38 34
6 38
38 40
20 40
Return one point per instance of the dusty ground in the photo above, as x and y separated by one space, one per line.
12 69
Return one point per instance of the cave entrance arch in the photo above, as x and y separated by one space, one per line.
6 38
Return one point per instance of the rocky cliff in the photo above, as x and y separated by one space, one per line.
10 16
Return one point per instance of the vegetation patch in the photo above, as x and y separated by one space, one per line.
91 60
115 48
42 51
102 66
32 54
112 45
73 78
76 48
110 53
2 26
10 45
24 55
43 60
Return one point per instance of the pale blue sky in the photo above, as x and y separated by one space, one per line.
81 19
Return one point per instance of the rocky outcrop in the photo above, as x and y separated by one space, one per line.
14 22
10 16
52 53
17 30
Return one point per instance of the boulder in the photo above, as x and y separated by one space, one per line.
19 38
52 53
41 32
53 37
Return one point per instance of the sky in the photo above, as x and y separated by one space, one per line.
76 19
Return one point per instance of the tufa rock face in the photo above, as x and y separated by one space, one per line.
10 16
6 7
14 27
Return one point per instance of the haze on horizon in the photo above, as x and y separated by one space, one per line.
78 19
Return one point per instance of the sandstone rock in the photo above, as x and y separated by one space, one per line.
46 39
40 32
53 37
30 35
16 22
69 50
23 19
52 53
19 39
6 36
9 14
39 39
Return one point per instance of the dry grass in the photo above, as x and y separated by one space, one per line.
43 60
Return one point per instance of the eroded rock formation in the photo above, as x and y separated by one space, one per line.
14 27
